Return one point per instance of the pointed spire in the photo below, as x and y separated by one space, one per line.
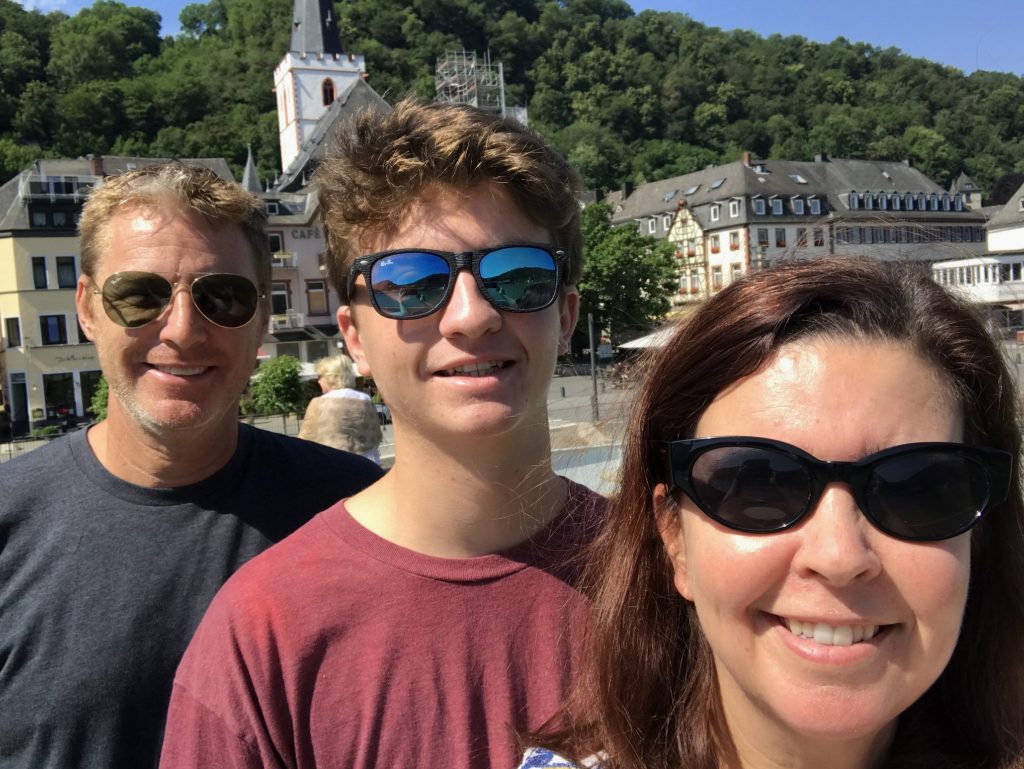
314 28
251 179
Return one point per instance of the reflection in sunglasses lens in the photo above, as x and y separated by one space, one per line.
133 299
927 494
519 277
409 284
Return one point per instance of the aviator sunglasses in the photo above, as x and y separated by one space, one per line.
918 491
133 299
415 282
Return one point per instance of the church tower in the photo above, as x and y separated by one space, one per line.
311 75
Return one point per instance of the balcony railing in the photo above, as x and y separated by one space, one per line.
287 320
283 260
54 188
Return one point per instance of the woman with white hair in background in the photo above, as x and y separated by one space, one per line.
342 417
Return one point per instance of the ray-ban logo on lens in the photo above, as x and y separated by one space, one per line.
387 262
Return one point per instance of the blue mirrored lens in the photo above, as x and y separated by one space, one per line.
409 284
519 277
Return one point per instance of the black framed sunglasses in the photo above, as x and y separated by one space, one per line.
918 491
133 298
412 283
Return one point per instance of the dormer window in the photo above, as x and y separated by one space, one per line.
272 208
734 208
869 200
947 204
958 202
666 221
854 199
716 211
776 206
934 200
883 201
922 202
896 201
798 206
759 206
815 206
908 201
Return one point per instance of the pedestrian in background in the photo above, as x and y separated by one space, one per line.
343 417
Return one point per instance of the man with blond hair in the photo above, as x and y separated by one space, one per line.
422 621
114 540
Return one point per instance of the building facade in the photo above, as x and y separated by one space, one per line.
727 220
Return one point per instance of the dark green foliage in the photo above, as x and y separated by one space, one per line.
100 397
627 277
627 97
277 388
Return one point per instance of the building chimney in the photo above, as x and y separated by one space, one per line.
627 189
97 164
821 157
746 159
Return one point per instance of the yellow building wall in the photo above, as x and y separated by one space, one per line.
19 298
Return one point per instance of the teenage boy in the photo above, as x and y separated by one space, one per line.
422 621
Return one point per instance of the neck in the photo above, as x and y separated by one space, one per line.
169 460
464 498
791 752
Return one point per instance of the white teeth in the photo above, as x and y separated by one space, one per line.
181 370
473 369
841 635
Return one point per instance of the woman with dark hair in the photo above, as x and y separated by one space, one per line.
816 558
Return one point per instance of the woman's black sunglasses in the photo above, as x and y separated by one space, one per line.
415 282
918 491
133 299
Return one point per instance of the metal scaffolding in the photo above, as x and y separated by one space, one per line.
461 78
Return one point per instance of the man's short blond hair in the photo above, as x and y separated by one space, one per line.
384 160
175 187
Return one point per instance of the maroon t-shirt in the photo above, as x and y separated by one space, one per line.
337 648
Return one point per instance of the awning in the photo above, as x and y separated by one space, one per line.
654 339
300 335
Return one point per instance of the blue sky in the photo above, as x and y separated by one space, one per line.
984 34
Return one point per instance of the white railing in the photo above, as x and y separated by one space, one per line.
286 320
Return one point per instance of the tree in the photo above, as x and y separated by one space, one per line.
627 277
100 397
276 388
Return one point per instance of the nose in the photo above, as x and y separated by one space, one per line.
182 324
837 542
467 312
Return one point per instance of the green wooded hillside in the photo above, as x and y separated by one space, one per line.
626 96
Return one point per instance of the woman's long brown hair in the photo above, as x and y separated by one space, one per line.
647 697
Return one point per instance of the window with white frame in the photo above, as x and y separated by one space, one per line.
734 241
819 237
854 200
12 327
715 212
734 208
759 206
776 206
66 275
798 206
883 201
735 271
650 226
276 242
815 206
715 244
316 297
908 201
780 237
762 236
53 329
716 276
666 221
869 200
280 297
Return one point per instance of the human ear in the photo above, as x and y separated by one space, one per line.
670 528
83 306
569 311
353 344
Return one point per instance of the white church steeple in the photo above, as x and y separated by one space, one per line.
311 75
